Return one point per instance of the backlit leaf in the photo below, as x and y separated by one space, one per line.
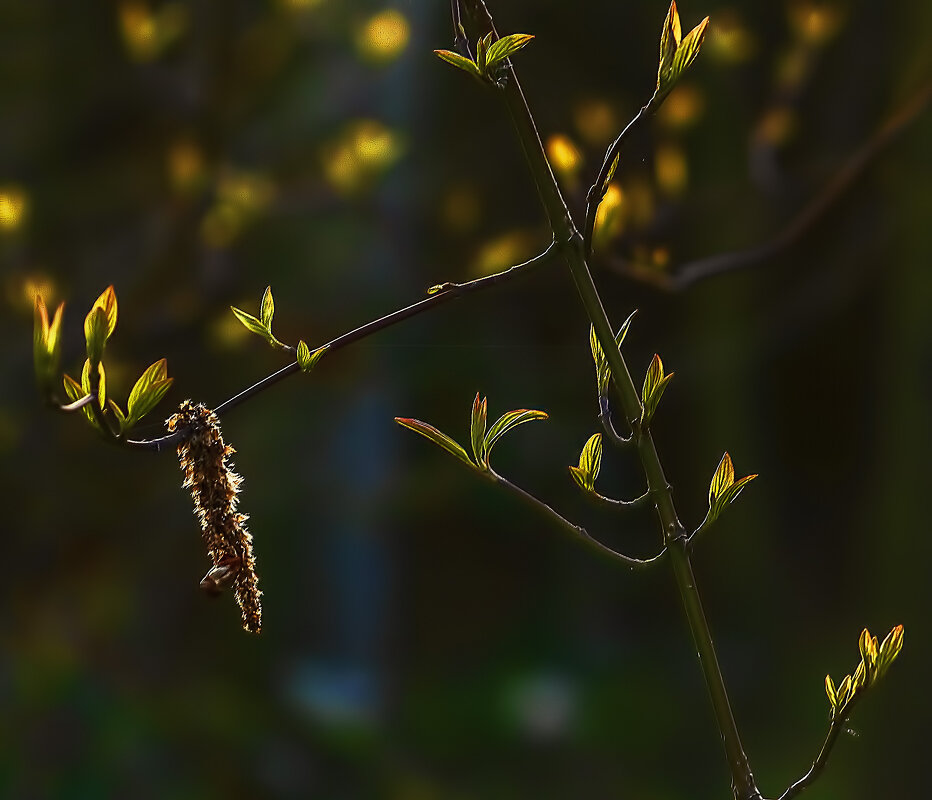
95 333
108 302
140 400
149 399
723 478
590 461
655 382
267 308
437 437
506 422
669 40
306 358
688 50
889 650
477 425
460 62
118 415
506 47
830 691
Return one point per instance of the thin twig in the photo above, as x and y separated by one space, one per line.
818 765
611 501
441 294
605 417
77 404
694 271
597 190
576 530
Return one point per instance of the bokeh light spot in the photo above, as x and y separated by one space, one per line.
671 169
383 37
13 207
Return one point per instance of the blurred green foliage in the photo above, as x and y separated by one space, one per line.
426 636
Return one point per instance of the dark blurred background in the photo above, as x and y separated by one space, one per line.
425 635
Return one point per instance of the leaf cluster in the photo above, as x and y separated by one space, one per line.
482 439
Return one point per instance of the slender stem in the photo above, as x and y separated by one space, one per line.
818 765
611 501
686 275
597 190
605 417
77 404
576 530
574 252
440 294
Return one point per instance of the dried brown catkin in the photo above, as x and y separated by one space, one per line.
214 486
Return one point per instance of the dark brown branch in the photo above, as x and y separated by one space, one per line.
703 268
441 294
576 530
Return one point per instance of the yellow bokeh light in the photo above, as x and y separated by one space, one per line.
299 5
384 36
564 158
249 192
36 285
596 122
366 149
683 107
776 127
13 207
146 33
816 23
671 169
729 41
185 164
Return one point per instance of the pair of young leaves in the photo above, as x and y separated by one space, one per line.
490 56
262 326
655 381
482 439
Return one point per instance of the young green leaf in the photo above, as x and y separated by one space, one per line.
670 36
505 48
482 47
506 422
46 342
267 309
460 62
437 437
590 462
889 650
95 332
255 325
108 302
72 388
118 415
250 322
77 391
655 381
602 370
477 425
147 392
830 691
676 53
724 489
687 51
723 478
307 359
